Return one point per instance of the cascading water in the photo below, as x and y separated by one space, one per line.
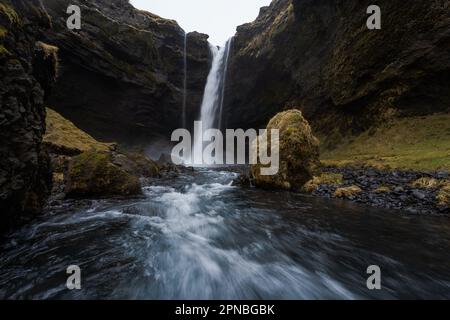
213 97
184 82
224 80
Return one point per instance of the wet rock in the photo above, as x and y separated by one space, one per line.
419 195
442 175
242 181
399 190
136 164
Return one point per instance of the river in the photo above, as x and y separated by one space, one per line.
198 237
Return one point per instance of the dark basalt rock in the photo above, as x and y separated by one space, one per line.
390 189
26 70
320 57
121 76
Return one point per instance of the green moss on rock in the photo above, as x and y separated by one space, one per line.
298 152
92 174
143 165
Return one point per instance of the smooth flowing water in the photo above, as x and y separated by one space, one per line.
198 237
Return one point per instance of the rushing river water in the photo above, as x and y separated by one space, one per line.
197 237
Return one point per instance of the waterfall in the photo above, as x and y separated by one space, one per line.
184 81
213 96
224 80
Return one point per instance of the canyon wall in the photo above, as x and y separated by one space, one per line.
319 56
27 72
121 76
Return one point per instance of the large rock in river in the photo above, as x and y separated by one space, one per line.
298 152
93 174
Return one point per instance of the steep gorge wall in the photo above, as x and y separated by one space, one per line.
121 76
319 56
27 72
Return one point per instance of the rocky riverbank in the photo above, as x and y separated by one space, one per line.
414 192
409 191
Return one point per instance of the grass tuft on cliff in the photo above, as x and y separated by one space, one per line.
63 134
416 143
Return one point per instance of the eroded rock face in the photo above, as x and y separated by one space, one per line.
121 76
26 69
298 153
320 56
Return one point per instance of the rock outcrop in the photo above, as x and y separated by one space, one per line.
320 56
121 76
27 71
298 153
85 167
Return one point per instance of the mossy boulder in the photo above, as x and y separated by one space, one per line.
93 174
137 163
298 153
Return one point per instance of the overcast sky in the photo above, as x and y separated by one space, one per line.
218 18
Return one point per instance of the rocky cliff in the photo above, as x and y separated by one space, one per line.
319 56
27 71
121 76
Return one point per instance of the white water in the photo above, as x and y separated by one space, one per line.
213 97
196 236
224 80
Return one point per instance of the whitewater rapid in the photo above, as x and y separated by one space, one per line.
198 237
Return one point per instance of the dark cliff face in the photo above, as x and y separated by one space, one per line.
319 56
121 76
27 68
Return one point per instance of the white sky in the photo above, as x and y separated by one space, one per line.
217 18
